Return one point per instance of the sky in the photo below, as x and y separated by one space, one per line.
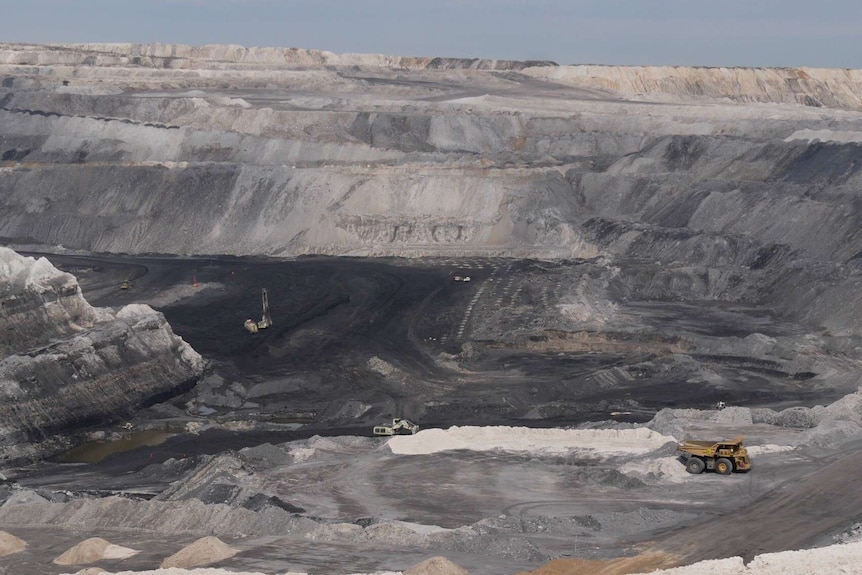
821 33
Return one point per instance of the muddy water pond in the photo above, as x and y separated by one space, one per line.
96 451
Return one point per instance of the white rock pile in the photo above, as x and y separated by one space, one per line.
520 439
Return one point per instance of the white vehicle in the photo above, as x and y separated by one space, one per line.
398 424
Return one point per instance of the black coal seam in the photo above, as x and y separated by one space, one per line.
99 118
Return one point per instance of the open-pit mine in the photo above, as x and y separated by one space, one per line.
559 273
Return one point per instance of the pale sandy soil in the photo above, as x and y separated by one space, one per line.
832 560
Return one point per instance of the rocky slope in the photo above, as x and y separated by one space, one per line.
733 185
816 87
230 56
65 364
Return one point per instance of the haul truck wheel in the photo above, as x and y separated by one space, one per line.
695 465
723 466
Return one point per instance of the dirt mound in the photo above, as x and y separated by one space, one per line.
10 544
436 566
506 438
92 550
92 571
204 551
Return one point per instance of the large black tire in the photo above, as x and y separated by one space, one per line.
695 465
723 466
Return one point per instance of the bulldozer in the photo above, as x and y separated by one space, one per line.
254 326
723 457
398 424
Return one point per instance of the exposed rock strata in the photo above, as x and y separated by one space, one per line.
231 56
224 149
684 184
40 304
816 87
64 363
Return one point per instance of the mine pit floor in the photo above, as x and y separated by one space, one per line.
357 342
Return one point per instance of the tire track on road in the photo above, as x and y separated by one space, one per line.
793 516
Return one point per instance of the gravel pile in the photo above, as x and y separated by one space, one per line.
479 541
190 516
827 427
378 532
485 537
674 422
656 470
532 524
92 550
733 416
266 455
848 408
831 434
436 566
10 544
204 551
640 520
798 417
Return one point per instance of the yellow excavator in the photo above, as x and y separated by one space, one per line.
254 326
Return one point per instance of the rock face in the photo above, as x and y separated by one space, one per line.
682 185
232 56
709 184
806 86
64 363
730 185
726 185
40 304
224 149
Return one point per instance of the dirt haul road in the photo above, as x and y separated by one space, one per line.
795 515
594 511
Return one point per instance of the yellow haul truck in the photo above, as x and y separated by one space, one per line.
724 457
